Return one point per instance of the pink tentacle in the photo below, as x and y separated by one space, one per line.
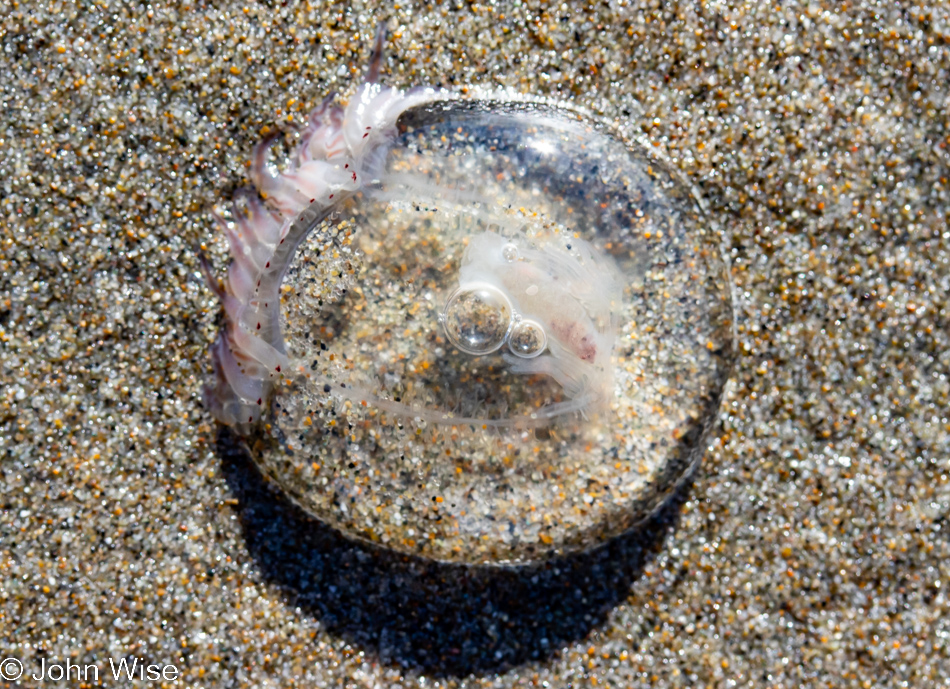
248 251
213 283
258 220
376 57
221 400
316 121
245 387
335 147
355 120
317 179
259 350
283 196
241 279
327 142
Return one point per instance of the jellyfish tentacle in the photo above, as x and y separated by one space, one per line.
376 57
277 188
257 222
331 161
310 140
358 394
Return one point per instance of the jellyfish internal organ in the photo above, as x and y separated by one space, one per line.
561 304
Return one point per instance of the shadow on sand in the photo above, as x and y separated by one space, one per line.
434 618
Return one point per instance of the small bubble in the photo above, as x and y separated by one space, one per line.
527 339
510 252
477 319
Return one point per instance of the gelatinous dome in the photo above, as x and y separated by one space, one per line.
508 342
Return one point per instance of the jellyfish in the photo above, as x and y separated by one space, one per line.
490 312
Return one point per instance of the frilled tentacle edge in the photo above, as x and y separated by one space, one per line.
330 164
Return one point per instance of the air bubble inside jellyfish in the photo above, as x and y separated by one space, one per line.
550 308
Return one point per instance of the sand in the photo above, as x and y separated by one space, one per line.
809 549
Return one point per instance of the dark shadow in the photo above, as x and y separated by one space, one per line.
435 618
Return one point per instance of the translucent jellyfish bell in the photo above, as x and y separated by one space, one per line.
508 341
